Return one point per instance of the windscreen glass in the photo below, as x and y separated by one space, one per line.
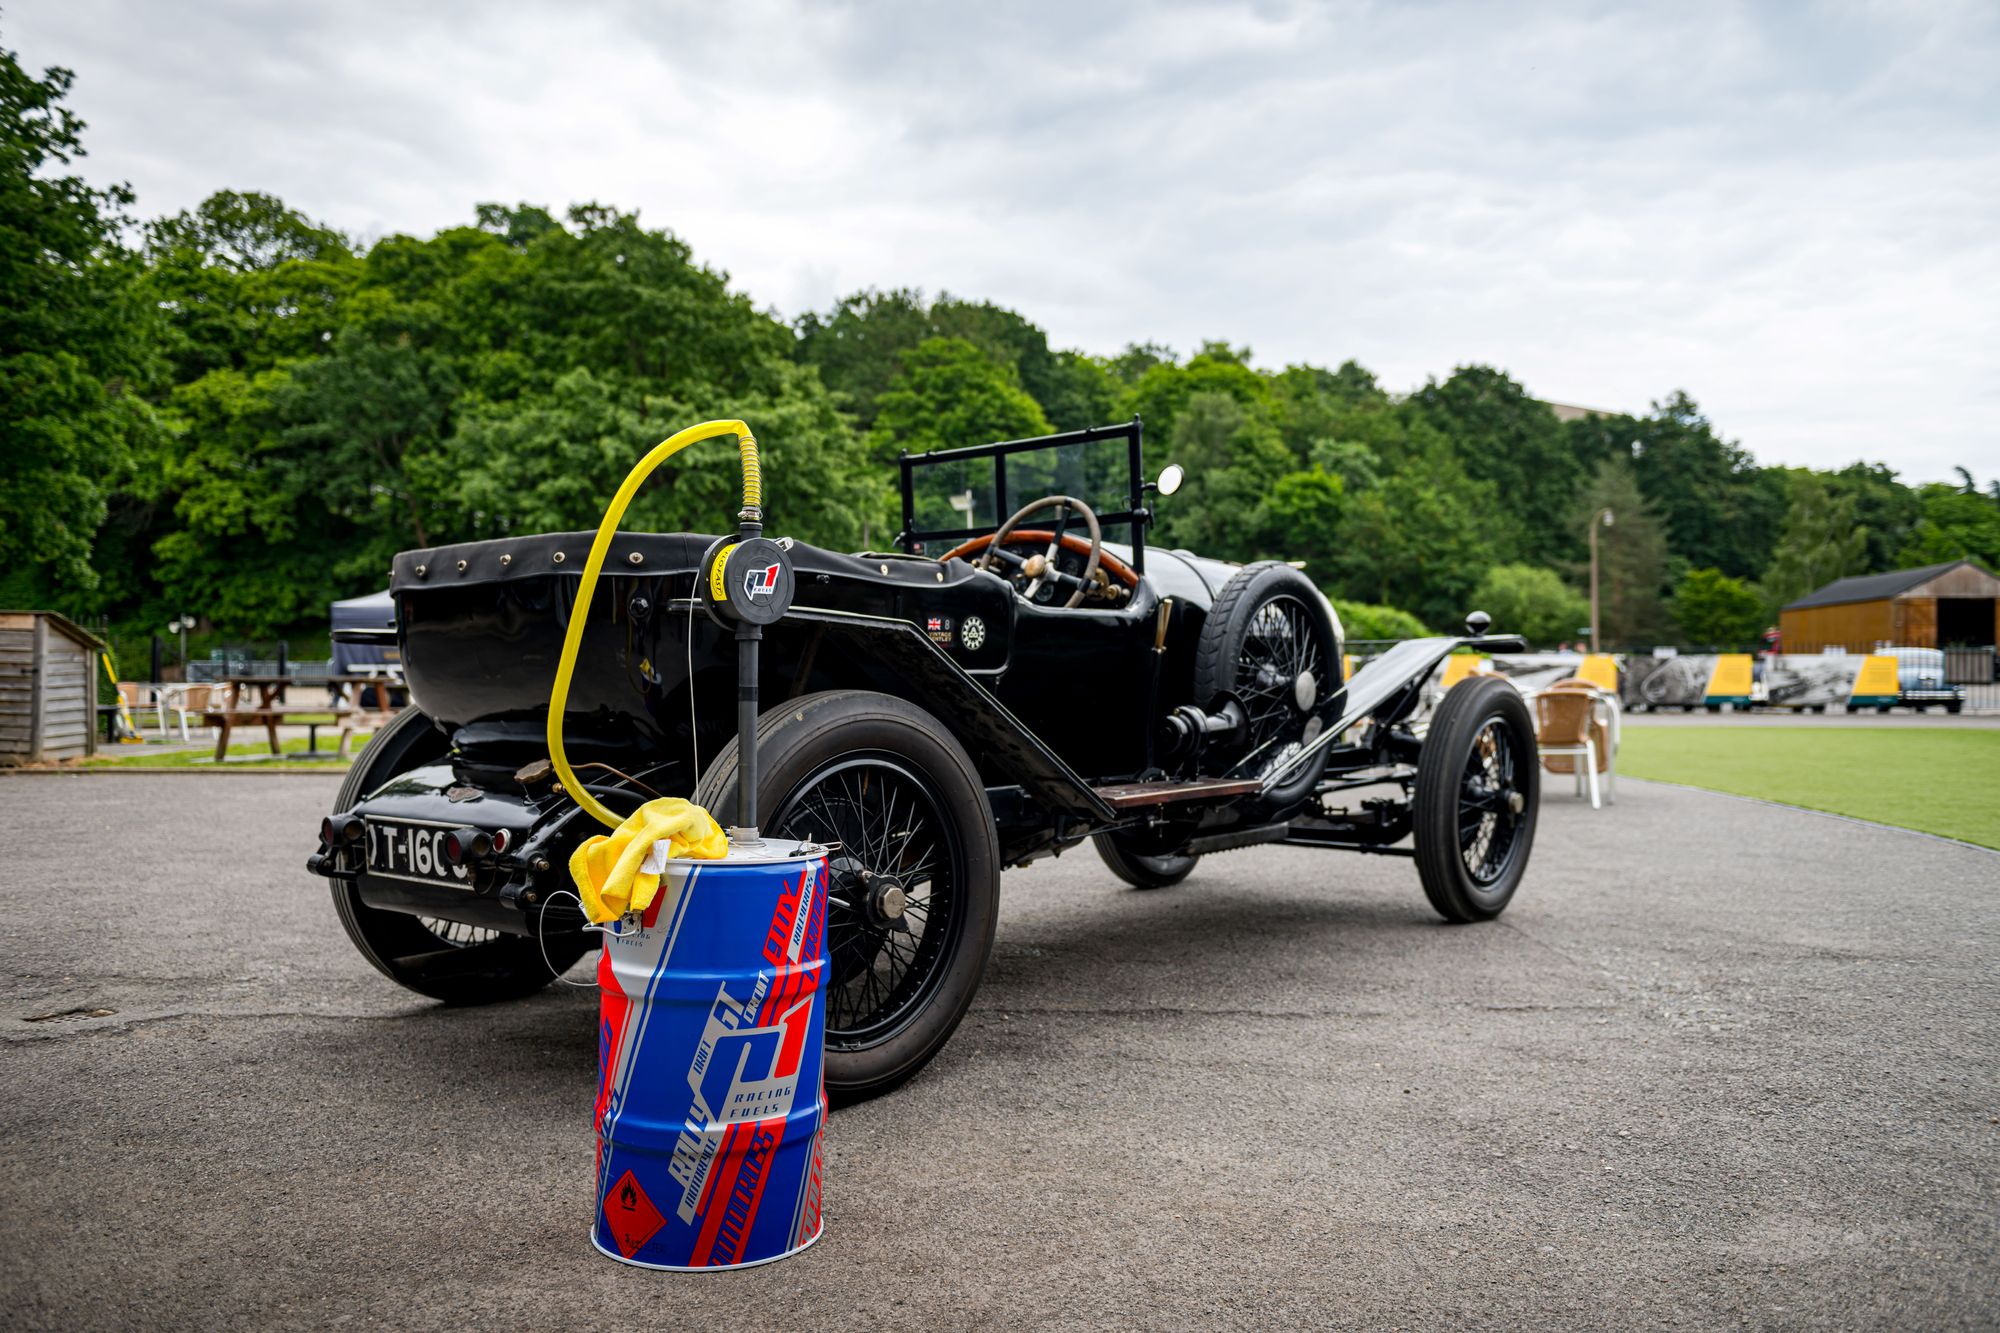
954 495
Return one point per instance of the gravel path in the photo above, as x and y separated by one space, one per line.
1721 1063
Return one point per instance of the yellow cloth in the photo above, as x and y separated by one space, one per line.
607 867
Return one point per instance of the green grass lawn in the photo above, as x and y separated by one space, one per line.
134 756
1941 780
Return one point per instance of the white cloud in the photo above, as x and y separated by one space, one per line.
1790 212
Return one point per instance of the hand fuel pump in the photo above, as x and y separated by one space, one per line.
711 1102
746 583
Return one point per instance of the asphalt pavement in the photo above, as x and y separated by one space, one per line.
1720 1064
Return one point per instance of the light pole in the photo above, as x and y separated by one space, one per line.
1602 516
181 626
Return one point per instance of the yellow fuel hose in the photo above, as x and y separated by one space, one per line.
753 499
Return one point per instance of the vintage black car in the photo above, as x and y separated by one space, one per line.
1022 673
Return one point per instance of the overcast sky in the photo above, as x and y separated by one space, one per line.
1791 211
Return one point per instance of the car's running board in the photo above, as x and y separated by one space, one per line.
1136 795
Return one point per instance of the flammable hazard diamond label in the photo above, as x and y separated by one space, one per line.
630 1215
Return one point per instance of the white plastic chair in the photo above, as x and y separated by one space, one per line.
183 700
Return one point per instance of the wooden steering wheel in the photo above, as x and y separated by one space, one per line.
1030 573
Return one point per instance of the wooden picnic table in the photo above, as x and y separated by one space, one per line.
270 709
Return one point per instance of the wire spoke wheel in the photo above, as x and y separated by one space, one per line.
914 868
1487 817
1269 648
1475 799
889 832
1280 649
458 934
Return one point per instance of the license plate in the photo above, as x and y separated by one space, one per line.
399 850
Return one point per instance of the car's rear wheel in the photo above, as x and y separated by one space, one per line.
1476 800
1139 869
915 888
446 960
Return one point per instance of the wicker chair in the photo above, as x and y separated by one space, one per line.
1605 727
1569 726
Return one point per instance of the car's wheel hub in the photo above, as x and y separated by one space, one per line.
887 901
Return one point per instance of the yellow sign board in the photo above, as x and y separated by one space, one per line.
1460 665
1601 670
1730 681
1877 681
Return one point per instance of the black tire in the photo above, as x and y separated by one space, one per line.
832 767
1481 732
1955 707
1140 870
1268 625
447 961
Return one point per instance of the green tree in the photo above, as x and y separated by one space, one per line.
948 394
1235 463
548 461
1364 621
1129 365
1632 557
1163 391
1417 537
1883 506
859 345
1716 610
243 282
1310 404
1300 519
1515 444
1955 524
1530 600
1716 506
74 343
254 546
1820 540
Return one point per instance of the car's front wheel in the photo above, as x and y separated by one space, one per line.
1477 797
915 862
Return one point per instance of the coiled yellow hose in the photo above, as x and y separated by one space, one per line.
753 473
753 499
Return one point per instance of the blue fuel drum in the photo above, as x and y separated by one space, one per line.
710 1103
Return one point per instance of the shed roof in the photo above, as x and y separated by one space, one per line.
1875 587
65 625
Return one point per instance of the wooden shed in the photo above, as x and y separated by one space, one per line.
48 688
1938 606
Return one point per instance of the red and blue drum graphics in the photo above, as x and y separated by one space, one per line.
710 1099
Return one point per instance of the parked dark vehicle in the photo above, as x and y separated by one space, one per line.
1011 681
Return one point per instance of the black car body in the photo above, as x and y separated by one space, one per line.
1179 707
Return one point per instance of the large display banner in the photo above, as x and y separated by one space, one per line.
1692 680
1667 682
1787 680
1799 681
